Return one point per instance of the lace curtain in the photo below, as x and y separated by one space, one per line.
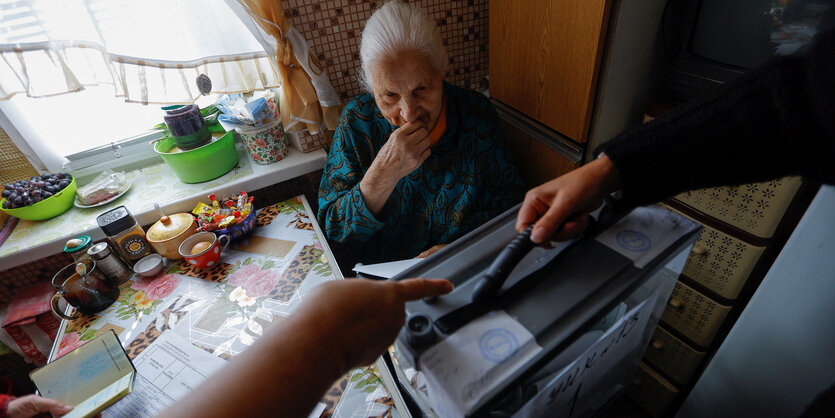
150 51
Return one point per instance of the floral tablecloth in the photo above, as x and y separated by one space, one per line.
259 282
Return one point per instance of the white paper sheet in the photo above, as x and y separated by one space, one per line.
167 370
573 389
386 270
463 367
317 410
644 233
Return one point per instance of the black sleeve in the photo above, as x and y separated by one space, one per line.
770 123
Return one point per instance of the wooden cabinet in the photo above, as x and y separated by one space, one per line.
570 74
536 162
545 57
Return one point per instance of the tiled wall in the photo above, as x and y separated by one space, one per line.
333 29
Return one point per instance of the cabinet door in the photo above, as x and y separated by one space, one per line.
544 59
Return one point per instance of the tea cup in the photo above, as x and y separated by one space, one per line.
207 257
89 292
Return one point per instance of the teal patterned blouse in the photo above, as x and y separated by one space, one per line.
468 179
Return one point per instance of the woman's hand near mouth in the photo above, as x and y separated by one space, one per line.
406 149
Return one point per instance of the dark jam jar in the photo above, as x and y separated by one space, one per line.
127 237
186 125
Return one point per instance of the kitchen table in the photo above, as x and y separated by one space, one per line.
259 282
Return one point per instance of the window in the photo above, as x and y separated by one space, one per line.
108 55
71 123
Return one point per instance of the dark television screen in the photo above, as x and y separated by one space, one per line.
746 33
734 32
711 42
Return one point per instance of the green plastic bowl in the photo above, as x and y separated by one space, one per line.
48 208
200 164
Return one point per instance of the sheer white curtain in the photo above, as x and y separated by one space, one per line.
148 51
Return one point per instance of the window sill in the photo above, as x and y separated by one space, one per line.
153 184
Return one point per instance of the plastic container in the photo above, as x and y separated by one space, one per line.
169 232
266 144
200 164
48 208
186 125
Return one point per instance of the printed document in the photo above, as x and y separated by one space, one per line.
167 370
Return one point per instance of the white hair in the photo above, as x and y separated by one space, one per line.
397 27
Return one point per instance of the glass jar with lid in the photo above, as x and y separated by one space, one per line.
110 263
127 237
77 247
186 125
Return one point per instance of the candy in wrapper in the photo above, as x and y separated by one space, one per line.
213 198
223 212
226 221
207 227
242 198
201 209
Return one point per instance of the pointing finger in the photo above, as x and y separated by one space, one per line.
414 289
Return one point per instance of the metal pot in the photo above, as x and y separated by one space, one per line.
169 232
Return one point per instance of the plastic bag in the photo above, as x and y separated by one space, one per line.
103 187
256 111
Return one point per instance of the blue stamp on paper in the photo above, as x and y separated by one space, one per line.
633 241
497 345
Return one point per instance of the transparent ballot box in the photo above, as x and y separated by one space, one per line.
563 334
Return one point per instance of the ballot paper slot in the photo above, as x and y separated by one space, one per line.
470 256
554 304
525 298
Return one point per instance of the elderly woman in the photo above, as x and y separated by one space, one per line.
419 162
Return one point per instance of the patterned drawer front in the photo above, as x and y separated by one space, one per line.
694 314
651 391
756 207
720 262
673 356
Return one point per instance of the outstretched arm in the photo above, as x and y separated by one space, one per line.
343 324
559 208
774 122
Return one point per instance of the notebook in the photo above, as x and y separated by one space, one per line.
89 378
